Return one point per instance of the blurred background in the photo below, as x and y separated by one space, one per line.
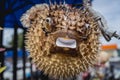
15 57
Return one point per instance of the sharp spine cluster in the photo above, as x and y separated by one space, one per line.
55 64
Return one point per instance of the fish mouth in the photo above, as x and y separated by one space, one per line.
66 42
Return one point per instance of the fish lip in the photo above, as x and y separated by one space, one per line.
69 43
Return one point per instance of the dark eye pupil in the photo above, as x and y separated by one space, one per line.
47 20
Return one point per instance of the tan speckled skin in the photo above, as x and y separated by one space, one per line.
64 21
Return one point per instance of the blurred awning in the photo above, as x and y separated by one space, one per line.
109 47
9 53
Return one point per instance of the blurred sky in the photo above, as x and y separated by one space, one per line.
111 11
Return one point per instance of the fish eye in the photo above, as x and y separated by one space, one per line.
48 20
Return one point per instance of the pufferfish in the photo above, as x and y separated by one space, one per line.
62 40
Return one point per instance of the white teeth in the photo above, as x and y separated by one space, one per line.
70 43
